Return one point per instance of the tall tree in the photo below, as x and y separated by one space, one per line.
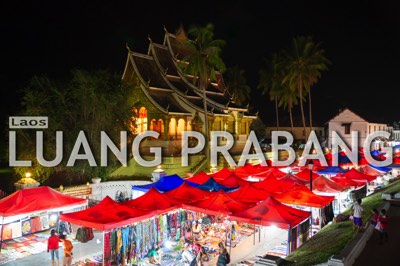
204 60
287 99
237 85
271 81
91 102
304 60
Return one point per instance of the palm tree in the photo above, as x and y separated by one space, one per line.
204 60
304 60
271 81
237 85
288 99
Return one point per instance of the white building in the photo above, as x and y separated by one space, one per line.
347 121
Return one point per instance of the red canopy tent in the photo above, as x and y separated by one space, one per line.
153 201
305 175
271 212
278 173
353 174
277 186
32 200
222 174
369 170
294 179
347 183
363 161
233 181
302 196
249 170
106 215
200 178
248 193
185 193
325 185
219 203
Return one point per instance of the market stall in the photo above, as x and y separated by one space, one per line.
271 212
32 210
115 221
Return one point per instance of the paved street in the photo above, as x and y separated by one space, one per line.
386 253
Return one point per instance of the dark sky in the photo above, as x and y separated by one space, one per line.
361 38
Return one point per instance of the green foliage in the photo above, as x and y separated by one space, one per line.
237 85
90 102
304 61
258 127
39 172
203 61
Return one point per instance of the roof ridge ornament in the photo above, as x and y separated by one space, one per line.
165 71
127 47
167 107
148 37
148 82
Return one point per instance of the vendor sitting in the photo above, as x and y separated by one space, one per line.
189 235
154 256
196 230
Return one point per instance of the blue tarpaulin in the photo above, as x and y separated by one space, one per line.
164 184
212 185
331 170
375 153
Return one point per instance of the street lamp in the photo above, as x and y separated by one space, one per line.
310 167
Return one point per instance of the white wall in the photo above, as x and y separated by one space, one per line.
357 124
103 189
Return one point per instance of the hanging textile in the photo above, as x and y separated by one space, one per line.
26 227
84 234
36 225
107 249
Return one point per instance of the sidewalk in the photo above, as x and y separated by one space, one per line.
386 253
81 252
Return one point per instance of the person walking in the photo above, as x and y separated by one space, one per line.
223 258
202 257
53 246
67 261
357 212
374 219
383 220
187 255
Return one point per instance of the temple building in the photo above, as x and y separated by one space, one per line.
169 102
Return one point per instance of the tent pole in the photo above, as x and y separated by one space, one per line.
259 234
289 238
254 235
1 236
230 240
104 250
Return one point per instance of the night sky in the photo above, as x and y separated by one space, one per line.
361 39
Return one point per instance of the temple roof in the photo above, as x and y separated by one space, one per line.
168 87
167 101
162 54
147 68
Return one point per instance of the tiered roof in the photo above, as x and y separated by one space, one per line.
168 88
